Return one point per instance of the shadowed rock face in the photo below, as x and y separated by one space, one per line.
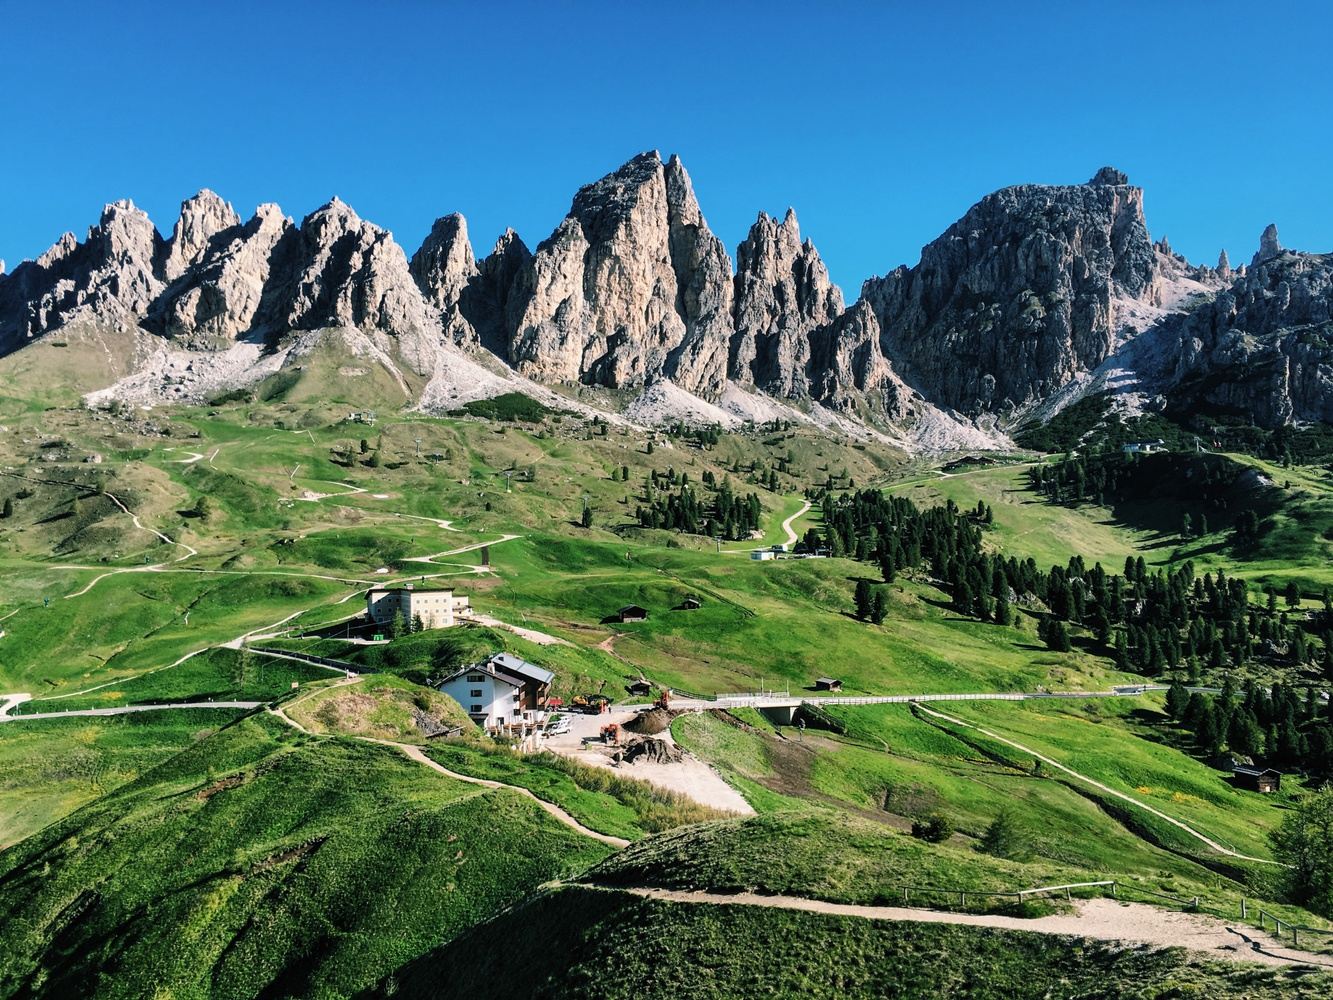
1264 347
782 295
109 278
847 366
221 298
203 219
631 287
1033 287
1019 295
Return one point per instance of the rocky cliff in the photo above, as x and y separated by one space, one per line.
1019 295
1263 348
1011 311
631 287
782 296
109 278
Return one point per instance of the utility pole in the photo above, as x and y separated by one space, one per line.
509 475
418 441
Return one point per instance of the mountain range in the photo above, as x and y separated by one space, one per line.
1037 296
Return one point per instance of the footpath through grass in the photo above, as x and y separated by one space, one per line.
586 942
218 674
261 862
597 797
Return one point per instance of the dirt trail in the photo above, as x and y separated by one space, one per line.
1099 786
787 524
1101 919
415 753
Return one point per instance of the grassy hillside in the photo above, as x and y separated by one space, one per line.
217 674
258 862
382 707
50 767
583 942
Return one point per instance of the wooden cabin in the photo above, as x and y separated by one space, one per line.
1258 779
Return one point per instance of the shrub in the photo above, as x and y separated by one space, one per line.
934 829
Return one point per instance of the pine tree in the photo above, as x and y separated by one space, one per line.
8 510
879 608
586 520
1004 838
1177 698
864 600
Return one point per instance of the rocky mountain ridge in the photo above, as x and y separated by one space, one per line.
1012 309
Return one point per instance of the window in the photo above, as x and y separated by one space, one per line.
475 694
476 710
475 678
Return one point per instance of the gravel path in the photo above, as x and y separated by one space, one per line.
415 753
1101 919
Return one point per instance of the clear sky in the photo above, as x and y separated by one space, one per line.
880 123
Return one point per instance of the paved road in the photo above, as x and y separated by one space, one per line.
127 709
771 699
1101 919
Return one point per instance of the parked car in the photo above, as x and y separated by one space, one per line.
556 725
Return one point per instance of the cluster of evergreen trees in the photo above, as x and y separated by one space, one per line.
1153 621
1273 726
704 437
719 511
1203 482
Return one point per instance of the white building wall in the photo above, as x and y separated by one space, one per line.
486 699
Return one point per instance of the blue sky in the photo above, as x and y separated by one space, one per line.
880 123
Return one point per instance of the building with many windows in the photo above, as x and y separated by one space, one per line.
501 691
436 608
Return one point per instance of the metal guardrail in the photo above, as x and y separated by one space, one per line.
345 666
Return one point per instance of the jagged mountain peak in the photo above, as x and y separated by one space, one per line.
1028 292
203 218
1020 295
631 287
1110 176
783 295
1269 245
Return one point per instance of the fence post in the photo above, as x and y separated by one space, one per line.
1294 942
904 895
962 900
1243 914
1114 891
1068 897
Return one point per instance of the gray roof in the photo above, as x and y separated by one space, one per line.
480 668
520 667
1255 772
827 680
